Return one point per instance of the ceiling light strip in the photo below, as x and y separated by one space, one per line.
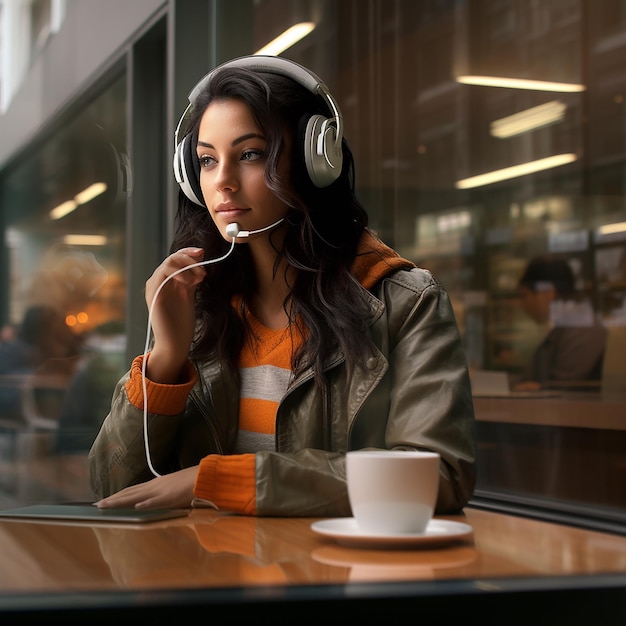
85 240
520 83
287 39
612 229
515 171
529 119
86 195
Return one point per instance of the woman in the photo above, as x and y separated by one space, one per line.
306 338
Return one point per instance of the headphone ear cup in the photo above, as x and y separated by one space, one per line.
323 160
187 169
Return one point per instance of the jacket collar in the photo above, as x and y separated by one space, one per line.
374 260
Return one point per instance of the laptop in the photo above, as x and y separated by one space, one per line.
87 512
495 384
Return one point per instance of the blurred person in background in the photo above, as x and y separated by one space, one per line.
44 346
88 397
571 352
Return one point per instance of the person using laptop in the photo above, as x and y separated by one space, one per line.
572 350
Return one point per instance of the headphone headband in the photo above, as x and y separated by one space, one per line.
270 64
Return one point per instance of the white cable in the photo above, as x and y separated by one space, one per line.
147 347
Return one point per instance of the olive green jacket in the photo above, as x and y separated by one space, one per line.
412 392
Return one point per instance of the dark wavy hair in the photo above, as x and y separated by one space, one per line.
323 228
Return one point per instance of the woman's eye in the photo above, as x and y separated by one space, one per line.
252 155
206 161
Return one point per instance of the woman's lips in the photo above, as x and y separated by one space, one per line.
231 215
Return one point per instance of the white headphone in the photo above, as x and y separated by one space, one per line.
322 138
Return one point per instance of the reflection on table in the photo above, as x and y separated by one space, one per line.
213 550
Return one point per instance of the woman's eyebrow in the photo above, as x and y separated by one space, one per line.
204 144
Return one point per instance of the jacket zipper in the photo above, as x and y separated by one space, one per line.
339 358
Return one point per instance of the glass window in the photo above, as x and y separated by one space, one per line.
63 350
487 135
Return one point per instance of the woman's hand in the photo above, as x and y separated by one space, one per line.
170 491
173 317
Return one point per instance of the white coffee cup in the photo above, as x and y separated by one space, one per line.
392 491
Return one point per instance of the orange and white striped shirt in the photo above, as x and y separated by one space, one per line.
265 367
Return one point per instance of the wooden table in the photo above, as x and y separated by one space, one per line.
85 571
561 409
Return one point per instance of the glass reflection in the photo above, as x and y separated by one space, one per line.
64 209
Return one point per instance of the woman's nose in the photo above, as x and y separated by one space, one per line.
226 179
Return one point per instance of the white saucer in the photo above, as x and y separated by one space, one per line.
344 530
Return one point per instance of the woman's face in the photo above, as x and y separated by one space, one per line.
232 153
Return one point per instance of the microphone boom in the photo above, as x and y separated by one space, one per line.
234 230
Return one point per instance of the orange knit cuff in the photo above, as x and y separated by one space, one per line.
234 533
229 482
162 399
237 535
